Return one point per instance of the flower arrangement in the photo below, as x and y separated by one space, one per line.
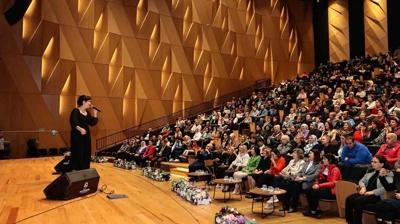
190 193
99 159
229 215
120 163
155 174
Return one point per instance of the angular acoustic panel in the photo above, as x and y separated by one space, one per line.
338 16
375 22
142 59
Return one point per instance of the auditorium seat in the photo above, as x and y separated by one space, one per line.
373 148
5 154
343 190
42 152
53 151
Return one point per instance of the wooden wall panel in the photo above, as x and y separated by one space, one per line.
375 20
141 59
338 16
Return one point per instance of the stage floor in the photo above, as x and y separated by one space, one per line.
22 200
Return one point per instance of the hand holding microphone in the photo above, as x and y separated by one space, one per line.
95 108
95 111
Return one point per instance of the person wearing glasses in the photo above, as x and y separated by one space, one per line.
371 191
388 210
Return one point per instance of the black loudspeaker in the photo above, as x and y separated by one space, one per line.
64 165
73 184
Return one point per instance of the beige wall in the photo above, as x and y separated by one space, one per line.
141 59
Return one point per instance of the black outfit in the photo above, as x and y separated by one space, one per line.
264 164
356 203
225 161
388 209
162 155
314 195
80 144
199 163
290 200
332 149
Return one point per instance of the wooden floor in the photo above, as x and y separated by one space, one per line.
22 200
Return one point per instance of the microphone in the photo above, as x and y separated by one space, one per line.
96 109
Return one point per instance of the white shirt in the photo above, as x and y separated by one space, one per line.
241 160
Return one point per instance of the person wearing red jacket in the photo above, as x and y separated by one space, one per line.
324 186
278 163
149 154
390 150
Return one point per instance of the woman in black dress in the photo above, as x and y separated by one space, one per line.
80 119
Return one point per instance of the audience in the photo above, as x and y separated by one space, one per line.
340 109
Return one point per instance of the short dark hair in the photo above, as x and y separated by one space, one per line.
383 160
82 98
330 157
276 152
349 137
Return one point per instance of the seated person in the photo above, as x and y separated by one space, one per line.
177 149
223 160
377 133
251 166
200 157
191 150
326 147
123 151
164 151
241 161
389 209
139 152
311 143
354 153
371 191
263 166
390 150
324 186
292 169
149 154
285 147
302 181
278 162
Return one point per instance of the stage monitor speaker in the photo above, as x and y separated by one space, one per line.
63 166
73 184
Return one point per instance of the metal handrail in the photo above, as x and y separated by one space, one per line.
116 138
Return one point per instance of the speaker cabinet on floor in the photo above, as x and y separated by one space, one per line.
63 166
73 184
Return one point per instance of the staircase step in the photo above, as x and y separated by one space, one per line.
179 171
174 164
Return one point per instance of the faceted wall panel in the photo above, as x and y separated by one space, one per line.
338 17
140 59
375 20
